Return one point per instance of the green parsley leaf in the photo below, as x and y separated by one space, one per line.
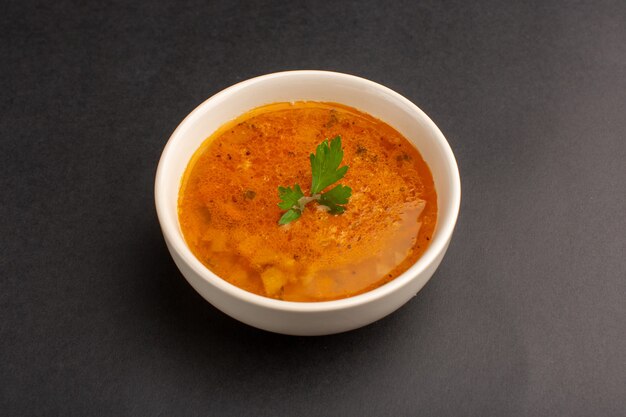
325 171
289 216
289 196
334 197
325 165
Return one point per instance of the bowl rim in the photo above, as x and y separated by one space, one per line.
438 244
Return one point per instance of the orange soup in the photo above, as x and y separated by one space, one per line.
229 215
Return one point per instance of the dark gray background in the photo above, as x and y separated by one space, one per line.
526 315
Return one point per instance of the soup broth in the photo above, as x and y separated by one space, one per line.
229 216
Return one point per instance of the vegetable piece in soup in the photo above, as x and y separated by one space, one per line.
229 215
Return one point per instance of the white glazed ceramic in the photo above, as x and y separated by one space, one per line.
317 318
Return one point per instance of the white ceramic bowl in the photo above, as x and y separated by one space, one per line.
316 318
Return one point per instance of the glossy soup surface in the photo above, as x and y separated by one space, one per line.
229 215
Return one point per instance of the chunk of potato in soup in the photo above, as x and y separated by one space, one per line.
229 215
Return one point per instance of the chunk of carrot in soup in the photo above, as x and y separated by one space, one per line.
229 215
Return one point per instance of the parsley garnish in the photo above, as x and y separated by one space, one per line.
325 171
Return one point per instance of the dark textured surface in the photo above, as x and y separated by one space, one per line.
525 317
